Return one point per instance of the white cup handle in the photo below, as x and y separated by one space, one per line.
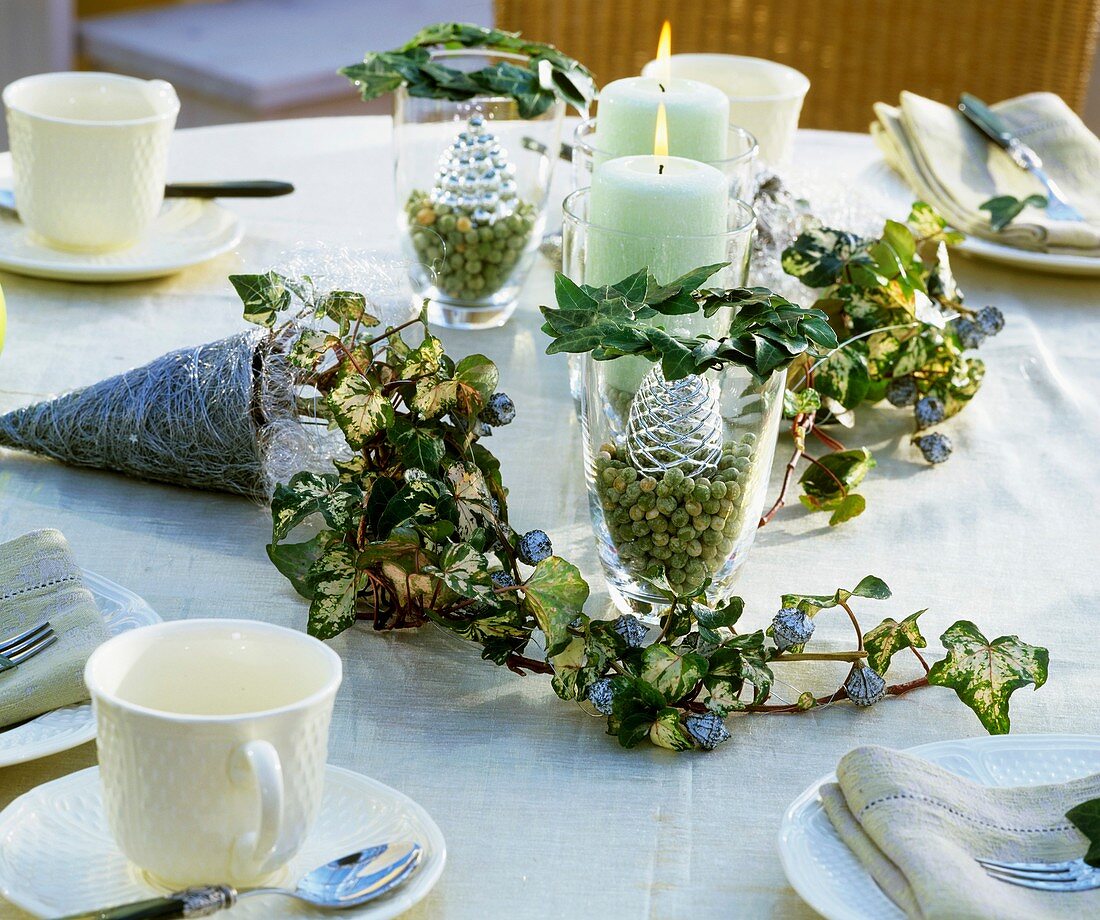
258 762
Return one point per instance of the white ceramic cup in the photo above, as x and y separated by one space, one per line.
212 738
765 96
89 153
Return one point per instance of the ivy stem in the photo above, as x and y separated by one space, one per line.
389 332
855 624
517 663
831 474
829 441
800 422
857 655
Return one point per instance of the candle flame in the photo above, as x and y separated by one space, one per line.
664 54
660 136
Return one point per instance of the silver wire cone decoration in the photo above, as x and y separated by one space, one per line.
675 425
206 417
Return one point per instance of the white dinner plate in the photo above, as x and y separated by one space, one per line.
1049 263
187 231
57 855
827 875
880 176
70 726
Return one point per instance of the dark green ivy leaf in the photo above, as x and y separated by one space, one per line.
1004 209
1086 818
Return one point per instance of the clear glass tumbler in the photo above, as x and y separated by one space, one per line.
738 166
472 180
677 472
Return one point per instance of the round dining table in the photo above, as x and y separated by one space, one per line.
544 814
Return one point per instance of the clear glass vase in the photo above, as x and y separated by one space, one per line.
677 474
472 180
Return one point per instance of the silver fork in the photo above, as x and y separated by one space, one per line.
1071 875
17 649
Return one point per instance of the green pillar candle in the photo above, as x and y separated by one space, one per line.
666 213
698 118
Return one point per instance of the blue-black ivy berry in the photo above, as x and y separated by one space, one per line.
499 410
791 626
707 729
990 320
902 391
502 579
929 411
969 333
865 687
936 447
601 695
534 546
631 629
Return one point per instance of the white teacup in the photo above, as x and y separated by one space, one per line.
765 96
212 738
89 153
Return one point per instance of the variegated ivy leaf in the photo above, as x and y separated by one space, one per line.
310 347
820 255
464 570
346 308
870 587
471 497
419 448
264 296
889 638
568 664
359 407
480 373
670 673
334 581
927 225
723 695
668 732
425 360
312 493
984 674
434 397
295 560
554 595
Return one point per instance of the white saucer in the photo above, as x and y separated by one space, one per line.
57 856
827 875
70 726
186 232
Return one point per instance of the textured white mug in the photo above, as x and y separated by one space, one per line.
765 96
212 739
89 154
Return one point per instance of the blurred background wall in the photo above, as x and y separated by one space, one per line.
244 60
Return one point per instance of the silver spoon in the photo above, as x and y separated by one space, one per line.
349 881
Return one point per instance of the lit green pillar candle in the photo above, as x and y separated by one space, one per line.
668 214
698 118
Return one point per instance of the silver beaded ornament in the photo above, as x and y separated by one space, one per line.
865 687
474 176
675 425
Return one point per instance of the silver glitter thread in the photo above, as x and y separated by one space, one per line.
675 425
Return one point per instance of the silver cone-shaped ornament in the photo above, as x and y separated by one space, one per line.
474 175
675 425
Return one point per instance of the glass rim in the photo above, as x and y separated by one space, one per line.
587 128
570 212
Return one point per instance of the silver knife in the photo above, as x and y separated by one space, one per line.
244 188
995 128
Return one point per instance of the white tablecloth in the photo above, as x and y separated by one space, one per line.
545 815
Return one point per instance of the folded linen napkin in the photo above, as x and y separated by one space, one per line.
953 166
40 580
917 828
